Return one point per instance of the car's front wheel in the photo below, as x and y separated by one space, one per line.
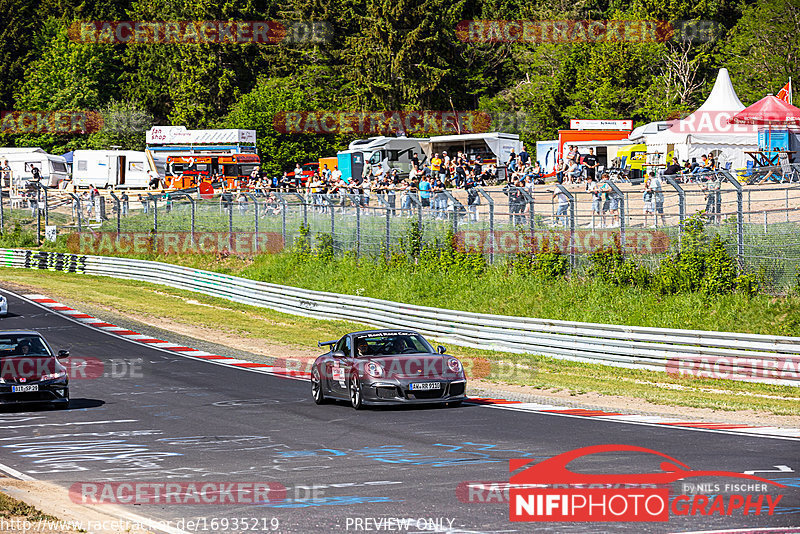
316 387
356 400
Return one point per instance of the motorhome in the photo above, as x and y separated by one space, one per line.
379 154
492 148
53 169
110 168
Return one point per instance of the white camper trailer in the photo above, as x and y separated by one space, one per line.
493 147
110 168
380 153
53 169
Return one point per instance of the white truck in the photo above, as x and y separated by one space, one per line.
52 169
111 169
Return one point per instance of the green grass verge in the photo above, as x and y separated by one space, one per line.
158 302
10 507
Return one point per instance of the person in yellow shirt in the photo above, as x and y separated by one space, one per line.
436 164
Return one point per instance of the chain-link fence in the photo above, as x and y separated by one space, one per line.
759 223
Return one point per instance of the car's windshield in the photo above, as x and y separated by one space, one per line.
391 343
22 345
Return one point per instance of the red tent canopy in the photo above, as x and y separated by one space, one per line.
770 110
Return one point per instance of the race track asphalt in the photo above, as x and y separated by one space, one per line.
155 416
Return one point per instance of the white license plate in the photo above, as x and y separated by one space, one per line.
23 389
423 386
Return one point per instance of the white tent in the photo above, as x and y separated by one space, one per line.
707 130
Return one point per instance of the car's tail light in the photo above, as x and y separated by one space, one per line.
454 365
373 369
53 376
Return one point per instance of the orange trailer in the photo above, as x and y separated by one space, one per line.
189 171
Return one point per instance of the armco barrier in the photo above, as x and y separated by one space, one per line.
750 357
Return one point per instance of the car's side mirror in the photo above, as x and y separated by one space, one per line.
63 354
337 354
440 349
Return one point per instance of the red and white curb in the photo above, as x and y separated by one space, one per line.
189 352
288 372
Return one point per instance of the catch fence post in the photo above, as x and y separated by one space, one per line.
681 205
78 201
571 200
119 212
739 216
490 200
155 211
255 205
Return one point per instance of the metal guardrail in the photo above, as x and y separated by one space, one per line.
771 359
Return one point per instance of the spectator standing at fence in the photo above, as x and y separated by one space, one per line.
563 206
424 188
124 204
440 197
595 194
144 203
657 187
610 201
89 202
473 197
647 198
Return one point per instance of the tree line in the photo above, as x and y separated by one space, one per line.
381 55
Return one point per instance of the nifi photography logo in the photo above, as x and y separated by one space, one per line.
548 491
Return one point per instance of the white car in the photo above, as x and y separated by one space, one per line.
3 306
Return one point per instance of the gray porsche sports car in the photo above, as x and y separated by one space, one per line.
376 367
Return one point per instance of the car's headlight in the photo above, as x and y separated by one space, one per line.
53 376
374 369
454 365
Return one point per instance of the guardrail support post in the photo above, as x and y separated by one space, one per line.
358 225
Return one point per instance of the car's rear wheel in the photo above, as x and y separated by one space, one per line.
356 400
316 387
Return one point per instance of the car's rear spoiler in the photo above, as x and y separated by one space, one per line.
327 343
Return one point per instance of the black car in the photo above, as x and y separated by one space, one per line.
377 367
30 372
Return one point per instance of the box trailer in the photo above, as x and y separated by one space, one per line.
110 168
52 168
